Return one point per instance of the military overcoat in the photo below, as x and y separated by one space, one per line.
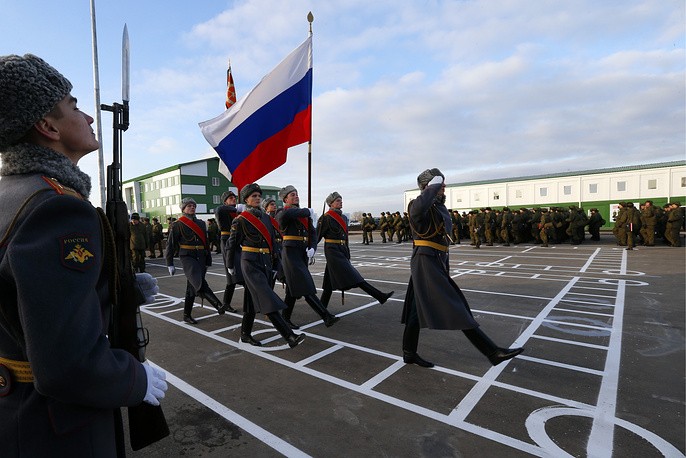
298 234
339 270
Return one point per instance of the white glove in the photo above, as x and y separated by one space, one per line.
311 213
231 270
172 270
148 285
436 180
240 208
310 255
157 384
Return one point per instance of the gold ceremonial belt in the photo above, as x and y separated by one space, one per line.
253 249
435 246
336 241
295 237
20 370
192 247
225 233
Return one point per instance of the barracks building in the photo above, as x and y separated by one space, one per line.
601 188
158 194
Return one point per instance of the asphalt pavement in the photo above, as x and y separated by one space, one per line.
603 373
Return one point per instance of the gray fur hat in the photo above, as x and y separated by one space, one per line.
426 176
249 189
186 201
331 197
29 89
267 201
227 194
285 191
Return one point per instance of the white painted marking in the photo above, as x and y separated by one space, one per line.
320 355
383 375
570 342
571 367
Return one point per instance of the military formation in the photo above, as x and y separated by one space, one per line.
543 226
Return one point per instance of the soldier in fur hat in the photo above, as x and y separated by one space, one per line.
225 214
340 273
62 382
433 299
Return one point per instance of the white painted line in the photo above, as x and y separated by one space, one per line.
317 356
251 428
577 325
383 375
600 441
570 342
572 367
584 312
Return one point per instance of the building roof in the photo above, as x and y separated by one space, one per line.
626 168
169 169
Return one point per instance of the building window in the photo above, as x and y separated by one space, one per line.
593 188
543 192
215 182
518 193
652 184
477 197
621 186
683 182
567 190
215 199
496 196
459 199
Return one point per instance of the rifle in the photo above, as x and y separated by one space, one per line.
146 422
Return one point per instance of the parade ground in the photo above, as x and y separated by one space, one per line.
603 372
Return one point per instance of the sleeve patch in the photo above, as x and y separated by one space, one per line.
76 252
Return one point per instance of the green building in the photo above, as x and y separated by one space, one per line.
158 194
601 188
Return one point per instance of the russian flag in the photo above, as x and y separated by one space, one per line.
253 135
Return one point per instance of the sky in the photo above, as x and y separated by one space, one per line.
479 89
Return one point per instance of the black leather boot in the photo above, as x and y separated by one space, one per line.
410 342
248 321
329 319
189 319
286 332
375 293
228 296
485 345
414 358
207 294
326 297
188 301
290 305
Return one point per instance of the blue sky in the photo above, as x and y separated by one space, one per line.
479 89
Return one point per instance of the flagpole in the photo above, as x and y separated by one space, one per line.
310 19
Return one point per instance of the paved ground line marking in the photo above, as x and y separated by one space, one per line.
572 367
600 441
468 403
317 356
248 426
590 260
570 342
584 312
383 375
578 325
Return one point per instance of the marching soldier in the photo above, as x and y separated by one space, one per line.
595 222
546 227
648 221
506 226
189 236
383 227
157 238
299 246
225 215
252 234
138 243
398 227
339 272
433 299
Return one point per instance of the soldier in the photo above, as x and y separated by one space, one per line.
620 225
576 222
433 299
398 228
546 227
62 382
269 207
406 227
595 222
633 222
674 223
253 235
145 222
213 235
506 226
339 273
225 215
363 224
488 226
157 238
390 229
383 227
299 246
138 243
189 237
535 228
371 225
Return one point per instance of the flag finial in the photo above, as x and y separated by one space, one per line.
310 19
